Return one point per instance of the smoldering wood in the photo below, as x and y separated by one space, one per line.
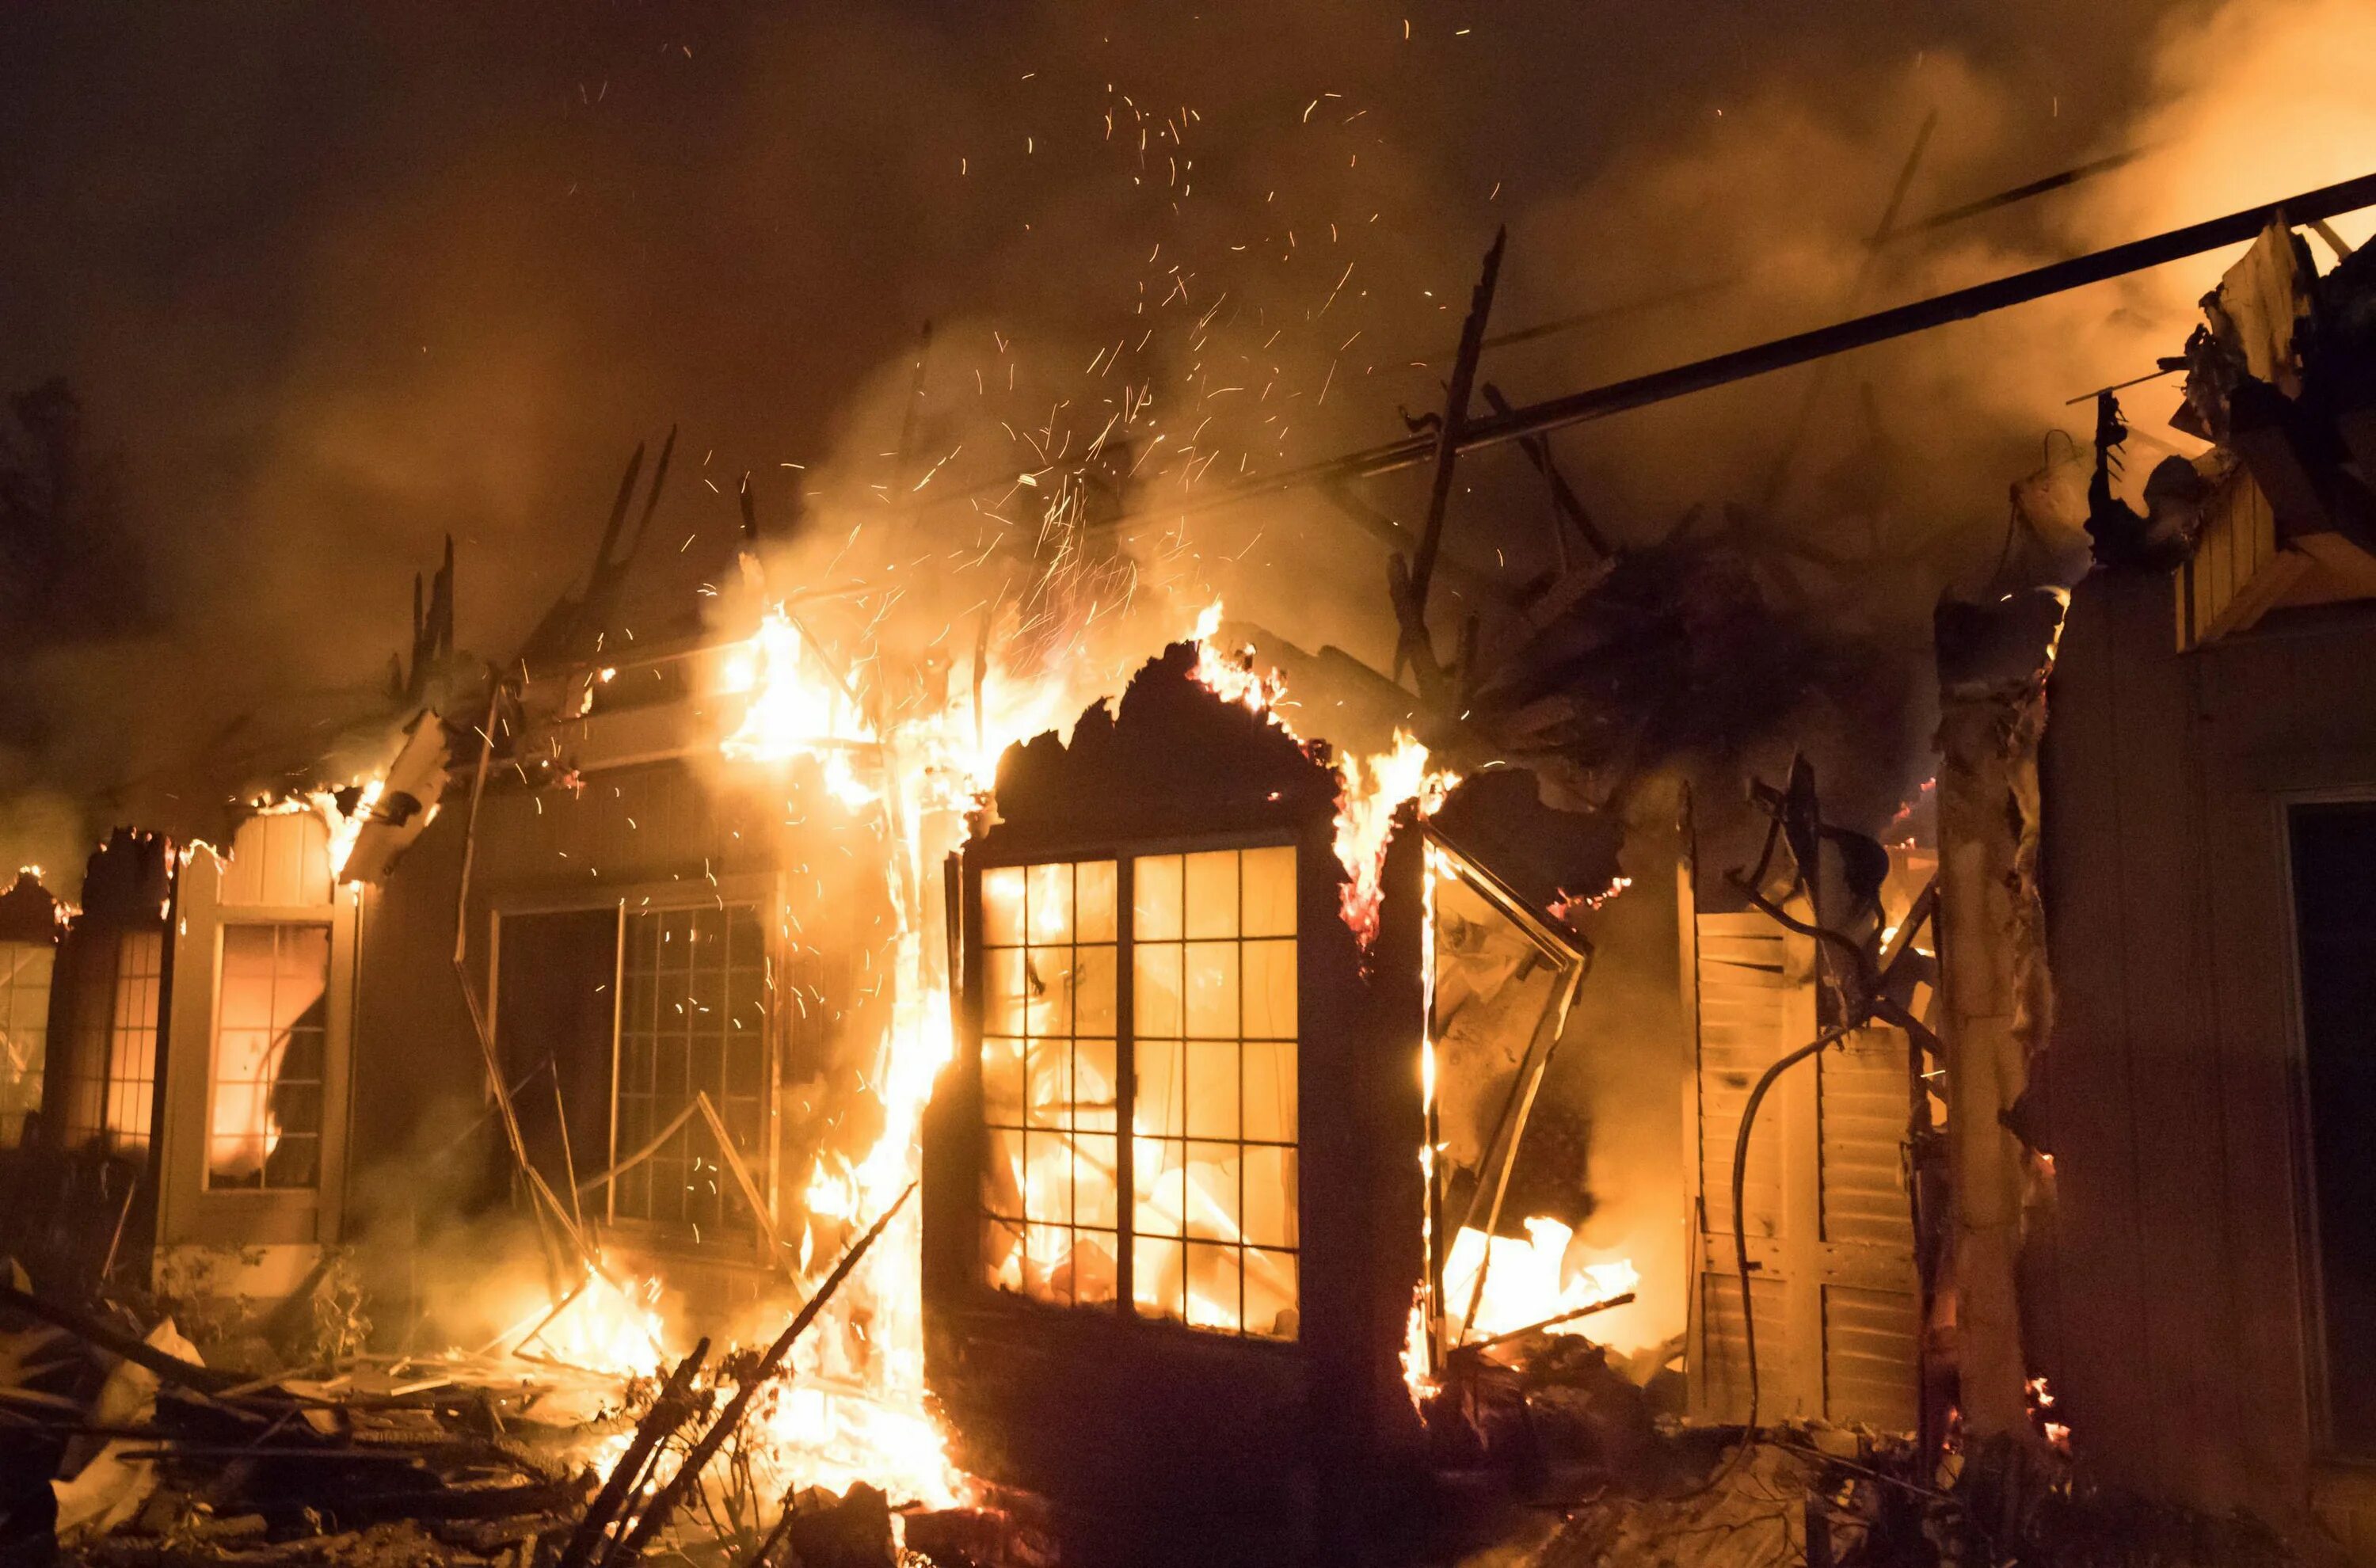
1991 950
1478 1346
670 1410
671 1496
116 1342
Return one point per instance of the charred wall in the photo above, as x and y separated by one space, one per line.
1149 1434
2186 1318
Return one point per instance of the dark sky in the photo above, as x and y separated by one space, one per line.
338 280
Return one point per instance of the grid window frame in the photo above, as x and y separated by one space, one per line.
285 1078
128 1032
688 1019
24 1031
1203 995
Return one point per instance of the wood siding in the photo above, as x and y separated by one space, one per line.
2186 1359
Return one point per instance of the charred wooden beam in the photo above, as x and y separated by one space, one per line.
665 1502
1446 443
116 1342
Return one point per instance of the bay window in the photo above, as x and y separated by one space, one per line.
1138 1065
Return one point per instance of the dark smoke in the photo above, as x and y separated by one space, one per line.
340 280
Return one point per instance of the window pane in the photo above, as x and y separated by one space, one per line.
1003 991
1002 1082
1093 895
271 1019
1268 1213
1213 1192
1212 1088
1214 1019
1048 904
1049 1091
1095 1172
1094 1085
1001 1177
1270 1094
24 971
1212 1285
1271 1310
1155 990
1048 990
1268 899
1212 990
1095 1277
1160 1187
1212 903
1001 907
1267 989
1155 897
693 1020
1060 1172
1093 991
129 1100
1158 1277
1161 1106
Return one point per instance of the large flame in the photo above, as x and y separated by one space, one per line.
854 1408
1525 1282
1369 788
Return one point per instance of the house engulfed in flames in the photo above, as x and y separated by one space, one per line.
1221 1053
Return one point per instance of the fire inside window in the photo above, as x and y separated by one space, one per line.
263 1123
24 1032
1191 1089
693 1016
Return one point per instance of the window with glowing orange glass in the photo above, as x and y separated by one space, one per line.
1192 1093
263 1123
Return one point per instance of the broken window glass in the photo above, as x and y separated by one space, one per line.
1502 983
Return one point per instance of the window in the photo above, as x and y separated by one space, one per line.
24 1032
1194 1093
1050 1081
271 1028
2334 849
119 985
693 1017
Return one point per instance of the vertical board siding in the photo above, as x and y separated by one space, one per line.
2189 1367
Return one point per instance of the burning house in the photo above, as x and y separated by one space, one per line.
1159 1093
